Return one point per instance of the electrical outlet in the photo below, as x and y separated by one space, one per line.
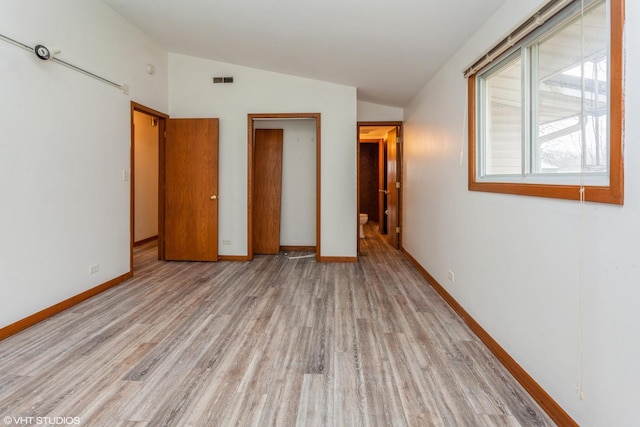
125 175
226 242
95 268
452 277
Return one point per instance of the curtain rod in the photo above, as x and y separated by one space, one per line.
534 21
123 87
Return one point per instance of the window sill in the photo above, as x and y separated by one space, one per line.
568 192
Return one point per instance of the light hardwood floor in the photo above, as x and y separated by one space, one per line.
275 341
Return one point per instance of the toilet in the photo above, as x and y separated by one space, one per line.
363 220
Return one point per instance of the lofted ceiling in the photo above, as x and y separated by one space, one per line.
386 49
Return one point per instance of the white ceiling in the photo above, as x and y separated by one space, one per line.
386 49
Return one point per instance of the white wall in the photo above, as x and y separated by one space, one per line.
145 221
523 264
298 215
65 143
192 94
368 112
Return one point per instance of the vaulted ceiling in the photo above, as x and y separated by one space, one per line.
386 49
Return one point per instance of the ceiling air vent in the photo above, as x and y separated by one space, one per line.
222 80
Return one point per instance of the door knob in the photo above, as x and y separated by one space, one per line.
213 197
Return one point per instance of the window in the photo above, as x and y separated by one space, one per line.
546 114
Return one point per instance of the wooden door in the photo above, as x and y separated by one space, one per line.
191 190
267 190
393 177
382 187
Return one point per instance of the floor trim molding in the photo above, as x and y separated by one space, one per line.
145 241
298 248
547 403
23 324
238 258
336 259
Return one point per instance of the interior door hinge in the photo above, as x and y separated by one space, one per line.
397 184
165 133
399 140
397 229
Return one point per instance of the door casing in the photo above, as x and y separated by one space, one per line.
399 175
162 126
250 177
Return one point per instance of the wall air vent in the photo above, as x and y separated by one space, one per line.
222 80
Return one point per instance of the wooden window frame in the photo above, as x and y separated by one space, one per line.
614 192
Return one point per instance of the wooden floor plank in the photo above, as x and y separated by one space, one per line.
280 340
383 402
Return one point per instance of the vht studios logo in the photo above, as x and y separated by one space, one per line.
52 421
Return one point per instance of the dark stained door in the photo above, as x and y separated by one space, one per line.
368 182
191 190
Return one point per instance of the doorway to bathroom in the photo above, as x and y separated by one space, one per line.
379 177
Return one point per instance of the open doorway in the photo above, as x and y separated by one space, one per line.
300 207
379 177
147 131
145 170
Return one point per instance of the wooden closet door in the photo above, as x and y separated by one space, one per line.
267 190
